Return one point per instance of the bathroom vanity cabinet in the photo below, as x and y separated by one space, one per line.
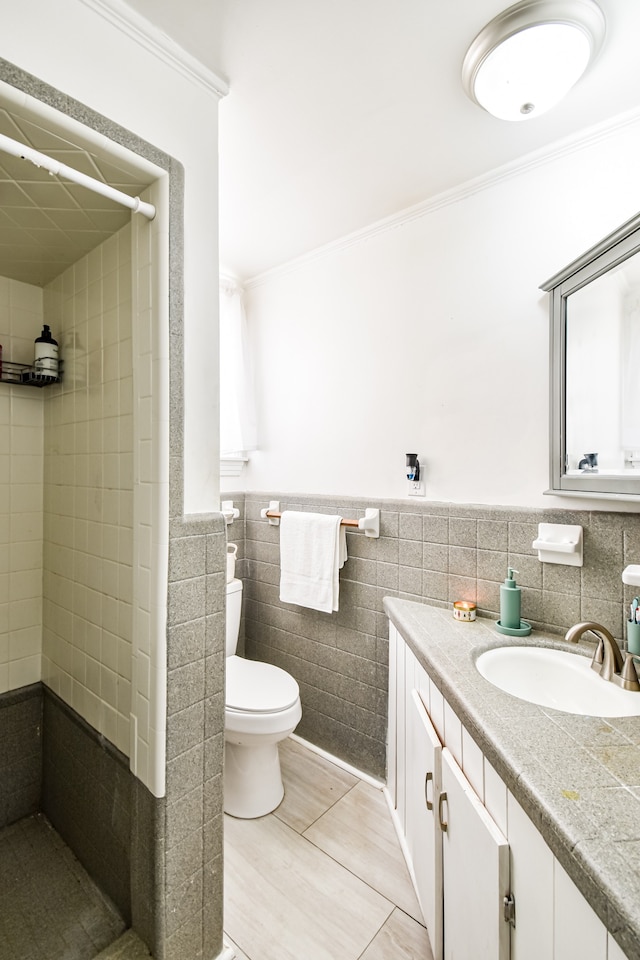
488 884
458 857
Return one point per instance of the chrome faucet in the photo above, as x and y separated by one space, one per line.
608 660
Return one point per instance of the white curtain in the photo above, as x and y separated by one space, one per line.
237 396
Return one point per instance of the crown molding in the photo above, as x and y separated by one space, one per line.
143 32
538 158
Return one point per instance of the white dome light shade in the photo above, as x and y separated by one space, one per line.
510 83
528 58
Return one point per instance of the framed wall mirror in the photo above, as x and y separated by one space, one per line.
595 370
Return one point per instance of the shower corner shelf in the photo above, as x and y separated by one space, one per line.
23 375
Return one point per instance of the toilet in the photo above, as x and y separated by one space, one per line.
262 707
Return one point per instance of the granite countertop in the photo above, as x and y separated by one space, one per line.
577 777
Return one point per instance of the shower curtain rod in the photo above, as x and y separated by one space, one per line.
17 149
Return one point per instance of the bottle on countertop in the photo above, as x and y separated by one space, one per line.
46 354
510 602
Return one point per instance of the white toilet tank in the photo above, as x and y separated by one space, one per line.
234 608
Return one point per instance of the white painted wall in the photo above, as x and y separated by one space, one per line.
432 336
81 48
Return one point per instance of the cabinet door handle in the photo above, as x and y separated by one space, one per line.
441 801
427 780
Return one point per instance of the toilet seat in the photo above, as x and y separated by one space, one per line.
258 688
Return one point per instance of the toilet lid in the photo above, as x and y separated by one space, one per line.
255 687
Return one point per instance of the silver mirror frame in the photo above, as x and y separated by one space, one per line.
604 256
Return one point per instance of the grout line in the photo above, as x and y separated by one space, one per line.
377 933
320 816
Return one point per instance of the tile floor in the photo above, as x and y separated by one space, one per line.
323 876
50 909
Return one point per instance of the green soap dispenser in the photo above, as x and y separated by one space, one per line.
510 605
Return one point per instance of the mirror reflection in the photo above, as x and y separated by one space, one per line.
603 373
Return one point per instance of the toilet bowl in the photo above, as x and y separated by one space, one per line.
262 707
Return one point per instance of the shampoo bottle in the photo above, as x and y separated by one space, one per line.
46 354
510 602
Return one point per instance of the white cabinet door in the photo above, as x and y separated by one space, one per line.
531 878
392 730
424 838
401 733
475 858
578 931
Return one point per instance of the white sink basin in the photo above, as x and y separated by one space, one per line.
553 678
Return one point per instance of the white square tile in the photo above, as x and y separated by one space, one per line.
24 671
109 722
27 411
79 665
110 255
25 296
108 686
92 674
93 709
23 585
123 696
93 640
25 613
80 277
27 468
5 497
143 675
123 734
125 607
26 498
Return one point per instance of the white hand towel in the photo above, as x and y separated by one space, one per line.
313 548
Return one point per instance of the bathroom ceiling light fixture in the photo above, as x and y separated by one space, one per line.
528 57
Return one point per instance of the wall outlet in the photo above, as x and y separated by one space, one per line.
416 488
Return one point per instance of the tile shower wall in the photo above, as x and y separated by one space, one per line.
21 465
428 552
20 753
88 491
86 795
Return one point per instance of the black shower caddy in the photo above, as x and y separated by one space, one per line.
24 375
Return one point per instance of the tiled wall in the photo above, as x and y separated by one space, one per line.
88 491
192 848
21 460
426 552
187 843
86 795
20 753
